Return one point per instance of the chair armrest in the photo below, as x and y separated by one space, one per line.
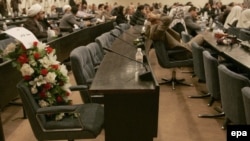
78 88
57 109
97 67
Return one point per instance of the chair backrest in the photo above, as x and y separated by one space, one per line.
233 31
30 107
124 26
185 37
231 84
198 61
164 59
211 73
5 42
116 32
105 40
82 68
246 100
96 53
244 35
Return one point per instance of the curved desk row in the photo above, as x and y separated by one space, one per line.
236 53
131 105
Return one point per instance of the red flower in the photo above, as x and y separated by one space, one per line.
44 72
22 59
47 86
36 55
49 49
59 99
55 66
23 47
35 44
42 95
27 77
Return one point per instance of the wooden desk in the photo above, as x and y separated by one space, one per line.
235 53
131 105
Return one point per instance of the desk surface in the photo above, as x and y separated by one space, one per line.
235 53
131 105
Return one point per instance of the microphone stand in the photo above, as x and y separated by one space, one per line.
143 76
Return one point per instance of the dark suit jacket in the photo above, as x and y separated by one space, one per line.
31 25
191 25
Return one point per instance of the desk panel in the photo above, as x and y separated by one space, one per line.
131 105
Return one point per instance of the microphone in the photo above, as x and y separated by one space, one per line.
138 44
146 76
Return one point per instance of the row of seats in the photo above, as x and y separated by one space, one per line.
224 82
86 59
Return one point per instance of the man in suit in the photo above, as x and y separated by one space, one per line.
190 21
69 20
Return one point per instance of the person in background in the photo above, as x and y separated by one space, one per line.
35 15
100 10
244 20
190 21
68 20
107 13
3 8
139 17
14 5
233 16
120 17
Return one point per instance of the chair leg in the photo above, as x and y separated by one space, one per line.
211 101
226 122
174 81
203 95
220 114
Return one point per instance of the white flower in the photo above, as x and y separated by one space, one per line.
45 61
38 81
33 62
65 87
10 48
26 70
59 116
53 59
41 46
43 103
63 70
34 90
50 77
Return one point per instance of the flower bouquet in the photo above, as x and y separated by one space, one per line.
45 76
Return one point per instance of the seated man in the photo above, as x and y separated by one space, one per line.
162 32
190 21
68 20
35 14
139 17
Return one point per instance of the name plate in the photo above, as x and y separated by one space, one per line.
25 36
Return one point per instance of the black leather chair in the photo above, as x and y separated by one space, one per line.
165 61
246 99
96 53
231 83
84 71
88 123
244 35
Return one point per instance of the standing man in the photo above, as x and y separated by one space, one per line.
3 7
14 5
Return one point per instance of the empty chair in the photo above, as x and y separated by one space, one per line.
116 32
88 124
105 40
231 84
246 100
185 37
244 35
165 61
198 61
84 72
96 53
233 31
124 26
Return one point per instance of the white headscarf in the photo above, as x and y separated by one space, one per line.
34 9
244 19
65 7
233 15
